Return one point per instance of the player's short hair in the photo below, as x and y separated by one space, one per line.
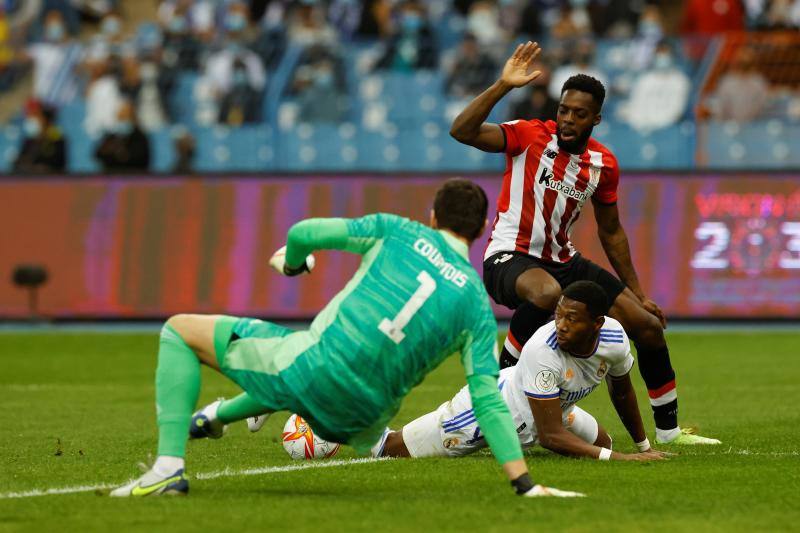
460 206
590 294
586 84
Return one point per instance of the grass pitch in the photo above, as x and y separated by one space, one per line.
78 411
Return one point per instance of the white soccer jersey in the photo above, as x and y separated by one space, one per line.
546 371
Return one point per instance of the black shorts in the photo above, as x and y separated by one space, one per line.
500 274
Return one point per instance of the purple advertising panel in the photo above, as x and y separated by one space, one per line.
704 246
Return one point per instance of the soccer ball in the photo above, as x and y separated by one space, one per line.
300 442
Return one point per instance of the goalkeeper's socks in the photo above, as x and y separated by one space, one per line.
177 390
239 408
167 465
658 375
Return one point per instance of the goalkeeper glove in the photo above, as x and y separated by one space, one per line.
278 262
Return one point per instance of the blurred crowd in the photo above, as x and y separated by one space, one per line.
125 59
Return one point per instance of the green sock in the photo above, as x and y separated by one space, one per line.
239 408
177 390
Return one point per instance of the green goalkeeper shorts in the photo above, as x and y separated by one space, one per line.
265 360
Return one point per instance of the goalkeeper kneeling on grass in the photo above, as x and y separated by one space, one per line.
414 300
562 363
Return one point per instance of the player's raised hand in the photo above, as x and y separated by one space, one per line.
651 307
278 263
516 71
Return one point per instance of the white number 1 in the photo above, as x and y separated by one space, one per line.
394 328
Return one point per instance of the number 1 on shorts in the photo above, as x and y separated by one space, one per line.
394 328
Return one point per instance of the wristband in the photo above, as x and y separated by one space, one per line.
644 445
295 271
522 484
605 454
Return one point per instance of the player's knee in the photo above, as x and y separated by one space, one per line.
542 295
395 446
648 332
179 322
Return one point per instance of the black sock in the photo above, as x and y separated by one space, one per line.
658 375
526 320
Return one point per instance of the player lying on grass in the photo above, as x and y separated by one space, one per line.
561 364
414 300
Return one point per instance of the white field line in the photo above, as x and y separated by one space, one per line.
203 475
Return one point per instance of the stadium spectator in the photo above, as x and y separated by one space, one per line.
111 30
102 93
781 15
54 62
189 16
472 71
659 96
139 82
44 148
319 86
242 103
233 67
181 48
649 33
710 17
538 105
742 93
582 63
308 26
573 22
411 45
126 149
483 21
184 144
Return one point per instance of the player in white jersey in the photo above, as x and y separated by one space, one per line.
561 364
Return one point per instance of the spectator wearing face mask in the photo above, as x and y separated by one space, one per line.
472 71
126 149
320 92
181 48
235 65
659 96
44 148
54 60
308 26
242 103
411 46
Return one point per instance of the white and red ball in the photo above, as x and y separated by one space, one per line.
300 442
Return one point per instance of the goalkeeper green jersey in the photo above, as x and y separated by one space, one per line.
414 300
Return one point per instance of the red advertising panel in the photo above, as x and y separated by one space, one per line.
704 246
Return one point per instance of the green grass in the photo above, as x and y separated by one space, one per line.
78 409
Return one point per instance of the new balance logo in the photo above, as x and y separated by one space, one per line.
503 258
550 153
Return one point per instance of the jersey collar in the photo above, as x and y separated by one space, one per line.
460 247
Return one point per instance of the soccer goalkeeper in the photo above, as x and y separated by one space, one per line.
414 300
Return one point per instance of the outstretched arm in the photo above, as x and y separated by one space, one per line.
555 437
356 235
615 244
623 396
470 126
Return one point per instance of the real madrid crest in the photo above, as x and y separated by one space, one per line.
601 370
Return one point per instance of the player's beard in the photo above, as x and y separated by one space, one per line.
578 144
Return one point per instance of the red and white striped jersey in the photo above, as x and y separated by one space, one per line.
544 189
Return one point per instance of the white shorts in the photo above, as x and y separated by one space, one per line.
452 431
